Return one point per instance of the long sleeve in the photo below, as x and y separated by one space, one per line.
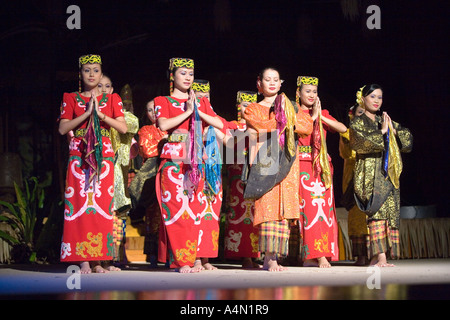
404 137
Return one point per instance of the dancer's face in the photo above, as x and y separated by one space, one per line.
270 83
373 101
91 73
308 94
183 79
105 85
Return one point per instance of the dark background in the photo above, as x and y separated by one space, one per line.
231 41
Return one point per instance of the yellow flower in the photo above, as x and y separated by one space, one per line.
359 97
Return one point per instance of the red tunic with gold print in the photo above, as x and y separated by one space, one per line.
189 225
88 216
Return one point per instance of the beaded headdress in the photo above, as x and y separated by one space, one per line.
89 58
178 63
201 85
248 96
85 59
307 80
244 96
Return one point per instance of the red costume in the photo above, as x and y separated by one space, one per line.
88 215
318 224
189 225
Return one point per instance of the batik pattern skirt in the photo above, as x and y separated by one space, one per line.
241 236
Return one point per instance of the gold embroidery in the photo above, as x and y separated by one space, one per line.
215 239
82 132
321 245
185 215
90 202
93 246
254 241
187 254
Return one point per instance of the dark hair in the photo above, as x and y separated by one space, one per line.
261 73
368 89
107 76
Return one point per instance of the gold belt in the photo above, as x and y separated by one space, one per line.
81 132
178 137
305 149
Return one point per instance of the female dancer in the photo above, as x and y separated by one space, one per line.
378 142
280 201
318 224
88 216
179 187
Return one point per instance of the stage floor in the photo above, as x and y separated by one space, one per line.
409 279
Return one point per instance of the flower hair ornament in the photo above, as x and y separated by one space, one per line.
359 97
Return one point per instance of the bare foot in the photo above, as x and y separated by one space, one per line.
113 268
185 269
380 261
271 264
209 266
197 266
99 269
206 265
85 268
248 263
321 262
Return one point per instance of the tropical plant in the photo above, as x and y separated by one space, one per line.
22 217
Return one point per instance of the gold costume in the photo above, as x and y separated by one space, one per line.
368 142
